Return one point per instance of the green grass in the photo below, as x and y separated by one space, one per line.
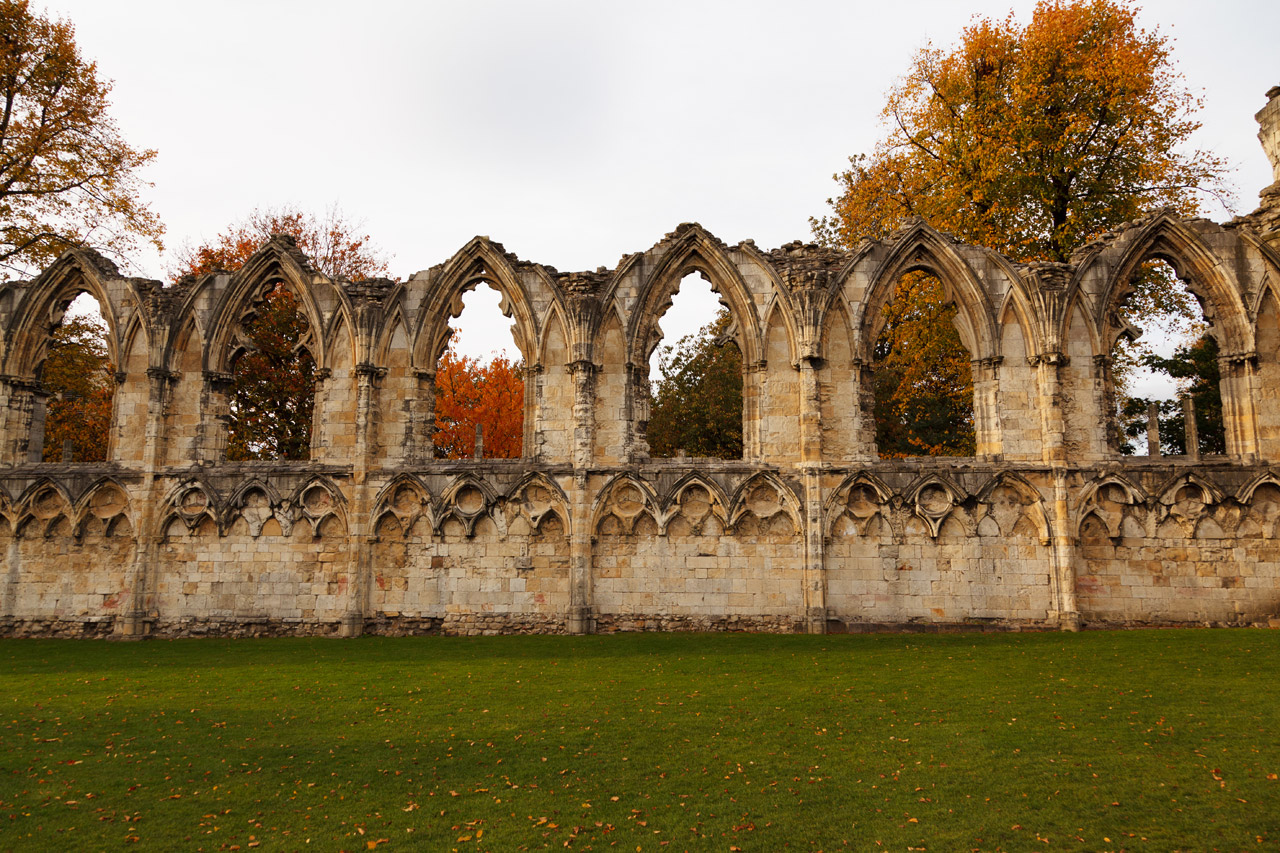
1141 740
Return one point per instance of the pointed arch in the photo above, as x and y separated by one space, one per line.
1168 491
615 499
45 298
278 261
1169 238
746 499
693 250
1267 478
919 247
480 260
837 503
537 508
1035 506
670 502
1134 493
236 500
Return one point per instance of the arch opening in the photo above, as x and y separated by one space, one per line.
480 380
1164 355
273 379
695 382
78 376
921 373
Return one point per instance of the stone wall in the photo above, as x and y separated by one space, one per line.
1047 526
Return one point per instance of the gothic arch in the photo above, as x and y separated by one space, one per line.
1170 239
694 250
921 248
719 500
45 298
613 501
480 260
746 499
1267 478
278 261
836 504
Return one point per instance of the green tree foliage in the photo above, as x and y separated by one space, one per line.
273 386
923 381
1196 368
697 404
80 381
1032 140
67 178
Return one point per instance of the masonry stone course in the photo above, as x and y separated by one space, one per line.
1048 526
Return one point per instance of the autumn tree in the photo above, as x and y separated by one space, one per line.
922 380
273 384
697 401
471 392
331 242
67 178
79 379
1033 140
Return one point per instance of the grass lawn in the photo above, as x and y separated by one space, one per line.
1136 740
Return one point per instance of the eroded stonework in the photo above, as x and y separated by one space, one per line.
1047 526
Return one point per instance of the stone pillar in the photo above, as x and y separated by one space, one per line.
422 418
1268 119
1065 552
215 408
637 403
360 565
1238 385
865 413
986 412
1052 422
1153 430
532 395
1062 537
815 581
21 420
136 620
584 411
752 410
581 616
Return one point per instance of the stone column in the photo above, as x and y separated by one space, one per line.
1053 429
1238 386
21 420
360 563
815 580
137 619
986 411
422 418
752 409
215 409
581 616
531 398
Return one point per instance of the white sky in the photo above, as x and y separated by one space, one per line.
572 132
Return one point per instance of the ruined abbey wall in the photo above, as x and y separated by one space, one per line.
1048 525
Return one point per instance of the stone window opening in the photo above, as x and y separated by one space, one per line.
695 377
78 380
480 379
921 373
271 398
1163 365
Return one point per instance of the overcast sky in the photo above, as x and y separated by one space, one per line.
572 132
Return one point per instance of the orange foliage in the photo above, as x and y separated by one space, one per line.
79 379
1032 140
470 392
330 242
